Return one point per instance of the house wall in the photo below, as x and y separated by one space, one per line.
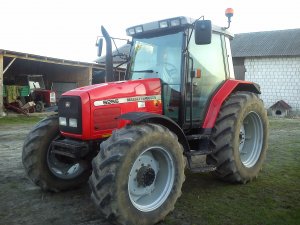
278 77
1 85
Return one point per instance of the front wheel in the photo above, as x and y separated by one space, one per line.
240 138
46 169
39 106
138 174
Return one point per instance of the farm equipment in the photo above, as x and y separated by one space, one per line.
31 88
131 139
12 95
39 94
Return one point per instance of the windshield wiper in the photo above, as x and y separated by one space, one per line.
143 71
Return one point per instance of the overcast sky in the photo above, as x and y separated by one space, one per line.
68 29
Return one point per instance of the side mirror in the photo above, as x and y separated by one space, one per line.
99 44
203 32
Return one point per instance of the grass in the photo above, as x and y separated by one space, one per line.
20 119
274 198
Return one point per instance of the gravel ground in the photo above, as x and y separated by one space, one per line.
272 199
21 202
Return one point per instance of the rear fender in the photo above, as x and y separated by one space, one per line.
141 117
221 95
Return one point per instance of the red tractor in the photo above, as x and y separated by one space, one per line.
35 90
131 139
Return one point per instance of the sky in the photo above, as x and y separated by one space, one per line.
68 29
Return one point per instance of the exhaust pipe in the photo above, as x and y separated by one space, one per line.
109 73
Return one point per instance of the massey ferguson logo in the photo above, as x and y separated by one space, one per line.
110 101
124 100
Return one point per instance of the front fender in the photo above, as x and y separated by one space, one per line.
141 117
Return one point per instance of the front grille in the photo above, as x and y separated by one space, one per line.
70 107
106 118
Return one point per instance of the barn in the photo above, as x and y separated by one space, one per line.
59 75
271 59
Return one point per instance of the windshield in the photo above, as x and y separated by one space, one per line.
157 57
160 57
36 82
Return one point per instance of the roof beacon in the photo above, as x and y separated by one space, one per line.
228 13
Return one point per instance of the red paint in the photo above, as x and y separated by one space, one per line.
218 99
43 95
86 116
106 118
113 90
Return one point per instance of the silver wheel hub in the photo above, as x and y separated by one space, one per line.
151 179
242 137
251 139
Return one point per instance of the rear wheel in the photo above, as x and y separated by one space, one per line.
138 174
46 169
239 139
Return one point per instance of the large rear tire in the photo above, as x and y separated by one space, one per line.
46 169
138 174
240 138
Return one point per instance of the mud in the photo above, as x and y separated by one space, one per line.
21 202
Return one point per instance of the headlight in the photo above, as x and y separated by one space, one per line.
72 122
138 29
163 24
62 121
52 97
131 31
175 22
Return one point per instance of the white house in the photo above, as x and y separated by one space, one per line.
271 59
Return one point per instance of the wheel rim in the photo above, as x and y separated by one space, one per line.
62 166
151 179
39 107
251 139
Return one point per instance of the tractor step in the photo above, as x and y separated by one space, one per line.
197 137
197 161
70 148
192 153
203 169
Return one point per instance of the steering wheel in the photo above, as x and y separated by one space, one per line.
172 71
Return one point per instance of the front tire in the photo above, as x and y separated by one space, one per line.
39 106
46 169
138 174
240 138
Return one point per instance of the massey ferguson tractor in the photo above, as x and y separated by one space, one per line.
132 140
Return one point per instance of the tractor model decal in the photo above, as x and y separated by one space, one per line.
125 100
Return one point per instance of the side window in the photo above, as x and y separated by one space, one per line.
210 60
229 58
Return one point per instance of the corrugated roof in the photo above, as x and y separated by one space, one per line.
29 56
267 43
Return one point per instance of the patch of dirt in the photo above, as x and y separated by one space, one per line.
271 199
21 202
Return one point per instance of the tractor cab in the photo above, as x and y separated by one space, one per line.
191 57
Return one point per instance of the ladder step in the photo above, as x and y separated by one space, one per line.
198 152
203 169
197 137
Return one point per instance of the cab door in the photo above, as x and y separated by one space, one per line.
210 61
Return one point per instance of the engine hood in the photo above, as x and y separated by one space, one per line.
118 90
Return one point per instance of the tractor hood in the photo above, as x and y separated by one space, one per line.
101 105
100 94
